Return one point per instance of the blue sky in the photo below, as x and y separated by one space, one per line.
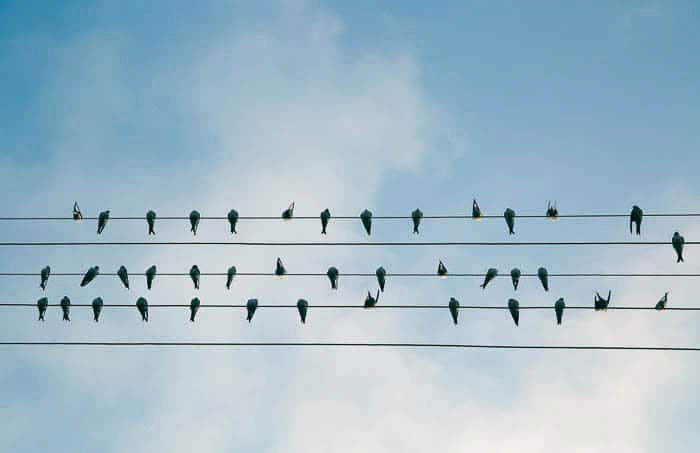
349 105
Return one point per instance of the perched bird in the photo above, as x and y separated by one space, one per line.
102 221
381 277
77 215
678 241
661 304
45 273
194 221
476 211
303 307
150 275
325 217
194 275
151 220
442 270
90 275
288 213
97 308
233 220
366 217
515 276
454 308
333 276
194 307
514 308
123 276
552 212
601 304
142 306
559 306
490 275
636 218
509 215
280 271
229 276
65 308
42 304
371 301
416 215
251 306
543 276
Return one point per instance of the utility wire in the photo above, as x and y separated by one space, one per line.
353 274
342 244
395 307
357 217
340 345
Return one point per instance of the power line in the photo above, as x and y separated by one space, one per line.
356 274
340 345
394 307
357 217
341 244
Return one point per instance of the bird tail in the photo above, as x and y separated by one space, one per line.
192 317
680 259
483 285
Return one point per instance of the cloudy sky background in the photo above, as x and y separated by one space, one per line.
381 105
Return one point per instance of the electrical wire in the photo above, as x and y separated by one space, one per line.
354 274
395 307
341 345
342 244
357 217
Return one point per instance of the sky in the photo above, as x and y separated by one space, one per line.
384 105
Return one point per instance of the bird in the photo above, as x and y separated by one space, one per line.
514 308
442 270
251 306
371 301
151 220
102 221
233 220
559 306
229 276
509 215
280 271
90 275
416 215
325 216
194 275
77 215
636 218
150 275
476 211
677 241
45 273
601 304
288 213
302 306
194 306
552 212
97 308
42 304
194 221
381 277
333 274
142 307
65 308
543 276
454 309
490 275
661 304
366 217
515 276
123 276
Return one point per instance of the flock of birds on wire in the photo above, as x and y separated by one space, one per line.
635 219
600 303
